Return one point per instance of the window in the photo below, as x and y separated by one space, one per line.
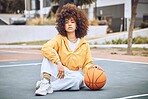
46 3
145 17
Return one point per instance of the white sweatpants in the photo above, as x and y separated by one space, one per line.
73 80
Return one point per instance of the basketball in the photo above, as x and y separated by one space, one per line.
95 78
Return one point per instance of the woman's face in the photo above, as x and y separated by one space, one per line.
70 25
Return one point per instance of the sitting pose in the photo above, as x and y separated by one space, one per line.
67 57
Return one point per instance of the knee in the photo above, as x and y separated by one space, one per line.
78 79
77 83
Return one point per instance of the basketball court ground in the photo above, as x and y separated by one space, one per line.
125 79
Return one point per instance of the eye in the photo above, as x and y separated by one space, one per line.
72 21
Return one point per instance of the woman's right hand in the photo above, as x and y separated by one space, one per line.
60 70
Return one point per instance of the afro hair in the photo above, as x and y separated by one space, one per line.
71 11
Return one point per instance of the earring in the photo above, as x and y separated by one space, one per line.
76 28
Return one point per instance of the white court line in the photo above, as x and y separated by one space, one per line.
20 52
17 65
134 96
119 60
5 60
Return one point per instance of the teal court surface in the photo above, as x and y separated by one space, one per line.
125 80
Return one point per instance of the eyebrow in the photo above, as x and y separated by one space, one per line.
66 19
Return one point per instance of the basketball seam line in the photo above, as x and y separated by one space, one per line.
95 83
99 77
93 79
88 78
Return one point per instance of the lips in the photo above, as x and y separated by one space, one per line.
70 28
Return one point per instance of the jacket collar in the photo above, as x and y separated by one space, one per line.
82 41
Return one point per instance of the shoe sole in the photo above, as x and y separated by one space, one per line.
39 94
49 92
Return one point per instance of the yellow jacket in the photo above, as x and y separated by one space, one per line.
57 49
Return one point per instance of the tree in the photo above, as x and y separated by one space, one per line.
11 6
3 6
76 2
130 32
19 5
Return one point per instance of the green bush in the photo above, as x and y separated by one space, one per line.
144 24
118 41
95 43
140 40
136 40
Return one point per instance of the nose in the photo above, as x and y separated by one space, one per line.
69 23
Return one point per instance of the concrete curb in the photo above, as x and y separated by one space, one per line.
92 46
119 46
22 46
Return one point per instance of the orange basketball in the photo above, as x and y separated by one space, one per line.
95 78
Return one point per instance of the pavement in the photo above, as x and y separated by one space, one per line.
33 51
20 69
92 46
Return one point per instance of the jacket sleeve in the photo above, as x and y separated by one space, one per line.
50 49
88 60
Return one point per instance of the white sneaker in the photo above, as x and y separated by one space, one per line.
43 88
38 84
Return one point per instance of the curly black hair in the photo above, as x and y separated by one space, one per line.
71 11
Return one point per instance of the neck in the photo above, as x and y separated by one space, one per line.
71 37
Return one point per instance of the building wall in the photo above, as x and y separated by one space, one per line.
35 8
21 33
124 11
142 9
127 4
114 11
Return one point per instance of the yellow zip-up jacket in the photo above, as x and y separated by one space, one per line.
57 49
